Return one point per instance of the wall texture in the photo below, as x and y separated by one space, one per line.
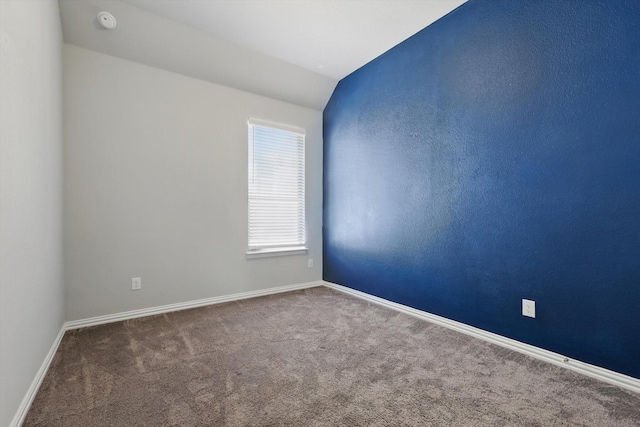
156 187
495 156
31 287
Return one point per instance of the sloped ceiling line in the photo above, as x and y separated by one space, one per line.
294 51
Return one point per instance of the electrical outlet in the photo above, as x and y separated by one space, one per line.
136 284
310 262
528 308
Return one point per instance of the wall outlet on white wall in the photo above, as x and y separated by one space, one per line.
136 284
310 262
528 308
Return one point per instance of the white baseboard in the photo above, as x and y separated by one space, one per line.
117 317
602 374
593 371
20 415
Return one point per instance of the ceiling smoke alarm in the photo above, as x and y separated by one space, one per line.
107 20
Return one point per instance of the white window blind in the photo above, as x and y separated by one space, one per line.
276 186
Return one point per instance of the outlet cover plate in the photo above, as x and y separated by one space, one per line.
528 308
136 284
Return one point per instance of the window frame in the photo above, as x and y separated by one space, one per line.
269 250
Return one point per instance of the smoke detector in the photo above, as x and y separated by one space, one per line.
106 20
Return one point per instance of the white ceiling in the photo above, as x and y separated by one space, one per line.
292 50
330 37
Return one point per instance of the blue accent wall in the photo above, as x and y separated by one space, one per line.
495 156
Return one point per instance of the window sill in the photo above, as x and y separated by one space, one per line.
263 253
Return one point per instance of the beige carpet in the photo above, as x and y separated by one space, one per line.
309 358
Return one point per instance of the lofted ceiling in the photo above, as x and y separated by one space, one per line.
292 50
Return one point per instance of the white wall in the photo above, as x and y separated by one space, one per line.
31 288
155 186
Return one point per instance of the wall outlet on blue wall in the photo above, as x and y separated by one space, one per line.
528 308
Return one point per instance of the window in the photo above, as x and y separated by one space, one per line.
276 189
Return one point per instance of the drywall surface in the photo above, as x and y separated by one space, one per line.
495 156
31 288
156 187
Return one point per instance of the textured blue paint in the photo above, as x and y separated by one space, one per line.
495 156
